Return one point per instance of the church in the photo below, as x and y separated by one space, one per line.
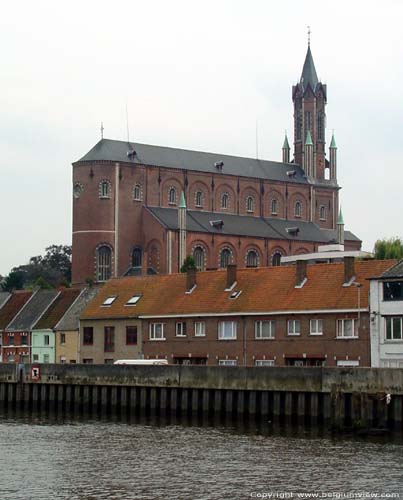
141 209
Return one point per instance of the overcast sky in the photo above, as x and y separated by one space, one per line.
195 75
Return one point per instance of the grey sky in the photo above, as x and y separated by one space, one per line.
195 75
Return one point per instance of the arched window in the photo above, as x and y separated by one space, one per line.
225 200
199 198
252 259
136 257
137 192
322 212
104 263
276 259
104 189
274 207
198 255
225 257
250 204
172 196
298 209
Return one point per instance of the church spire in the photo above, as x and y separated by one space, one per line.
309 75
286 150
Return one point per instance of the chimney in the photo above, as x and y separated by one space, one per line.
190 279
349 271
300 272
231 275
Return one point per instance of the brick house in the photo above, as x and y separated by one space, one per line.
300 315
128 217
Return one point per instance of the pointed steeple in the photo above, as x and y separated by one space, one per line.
333 143
285 144
182 202
340 219
286 150
308 141
308 71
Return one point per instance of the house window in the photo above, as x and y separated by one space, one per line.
133 300
199 199
88 335
63 360
347 328
108 361
10 339
227 362
250 204
88 361
131 335
225 200
264 329
274 207
225 257
157 331
35 357
198 255
227 330
172 196
137 192
24 340
322 213
394 328
109 338
294 327
46 358
264 362
393 290
276 259
109 300
62 338
200 329
181 329
316 327
46 339
104 263
252 259
104 189
136 257
321 128
298 209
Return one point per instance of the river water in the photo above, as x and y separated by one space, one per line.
47 458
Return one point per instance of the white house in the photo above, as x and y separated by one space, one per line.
386 323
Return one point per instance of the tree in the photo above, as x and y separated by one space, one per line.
188 263
14 281
391 248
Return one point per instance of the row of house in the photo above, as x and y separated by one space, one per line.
347 313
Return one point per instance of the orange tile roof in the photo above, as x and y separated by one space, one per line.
266 289
58 308
12 307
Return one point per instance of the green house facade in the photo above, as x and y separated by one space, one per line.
43 346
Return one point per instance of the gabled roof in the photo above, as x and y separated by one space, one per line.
265 290
58 308
4 296
30 314
70 321
395 271
243 225
13 306
183 159
309 75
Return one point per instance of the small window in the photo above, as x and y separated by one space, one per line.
234 295
62 360
172 196
264 329
46 358
225 257
104 189
133 300
88 361
108 361
198 255
88 335
227 362
264 362
316 327
137 192
104 263
77 190
109 301
137 257
276 259
225 200
394 328
131 335
322 212
157 331
46 339
10 339
227 330
294 327
393 290
181 329
199 199
24 340
347 328
250 204
109 338
200 329
274 207
298 209
62 338
252 259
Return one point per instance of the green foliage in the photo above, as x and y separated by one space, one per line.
14 281
391 248
42 283
188 263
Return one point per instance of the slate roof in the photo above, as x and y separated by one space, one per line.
30 314
58 308
395 271
243 225
308 71
70 320
265 289
331 234
184 159
4 296
12 307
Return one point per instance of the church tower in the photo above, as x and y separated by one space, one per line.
309 98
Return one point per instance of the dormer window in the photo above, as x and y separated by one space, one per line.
133 300
109 300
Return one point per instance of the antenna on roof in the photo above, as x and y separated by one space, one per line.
102 130
257 141
309 36
127 124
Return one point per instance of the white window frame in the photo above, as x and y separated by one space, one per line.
199 199
180 327
137 192
153 328
259 329
347 363
222 330
200 329
227 362
133 300
109 301
265 362
292 331
392 321
298 209
318 329
354 329
250 204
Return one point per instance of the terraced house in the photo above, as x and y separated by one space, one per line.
299 315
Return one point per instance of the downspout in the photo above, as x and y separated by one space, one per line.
117 171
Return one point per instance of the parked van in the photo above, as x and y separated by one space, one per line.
141 362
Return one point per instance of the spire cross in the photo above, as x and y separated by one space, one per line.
102 130
309 36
